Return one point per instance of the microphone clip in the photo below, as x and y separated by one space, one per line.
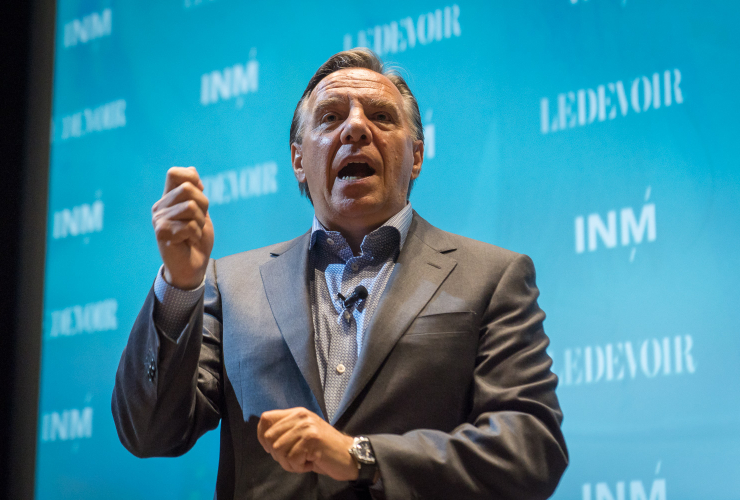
358 294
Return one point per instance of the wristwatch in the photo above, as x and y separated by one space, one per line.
362 452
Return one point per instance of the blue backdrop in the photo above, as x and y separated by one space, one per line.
597 136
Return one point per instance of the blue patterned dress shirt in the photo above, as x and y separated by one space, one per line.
340 330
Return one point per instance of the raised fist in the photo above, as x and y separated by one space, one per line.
183 228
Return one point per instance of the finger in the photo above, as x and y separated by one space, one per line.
284 442
267 419
178 175
289 420
200 181
184 192
299 454
289 466
173 232
292 453
184 211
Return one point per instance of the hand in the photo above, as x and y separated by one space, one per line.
183 228
301 441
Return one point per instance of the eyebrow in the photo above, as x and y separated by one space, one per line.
372 102
375 102
329 102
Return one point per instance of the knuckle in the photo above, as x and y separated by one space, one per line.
161 229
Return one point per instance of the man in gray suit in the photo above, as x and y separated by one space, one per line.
375 355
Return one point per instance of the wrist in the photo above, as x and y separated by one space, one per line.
363 456
185 285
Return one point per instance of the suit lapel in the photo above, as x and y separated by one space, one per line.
286 283
418 273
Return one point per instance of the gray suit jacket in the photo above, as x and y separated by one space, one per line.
453 386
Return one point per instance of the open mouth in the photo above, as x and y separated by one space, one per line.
356 170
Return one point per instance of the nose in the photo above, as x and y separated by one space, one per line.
356 129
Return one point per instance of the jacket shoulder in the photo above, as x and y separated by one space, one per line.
458 246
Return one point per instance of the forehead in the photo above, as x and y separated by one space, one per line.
356 83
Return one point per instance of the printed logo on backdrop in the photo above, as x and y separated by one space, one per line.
68 425
80 220
633 230
107 116
627 361
88 28
398 36
234 185
585 106
231 82
635 489
101 316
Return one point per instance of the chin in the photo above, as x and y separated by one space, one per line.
352 207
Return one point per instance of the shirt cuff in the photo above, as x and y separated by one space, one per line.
173 306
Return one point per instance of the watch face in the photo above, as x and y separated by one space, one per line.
364 453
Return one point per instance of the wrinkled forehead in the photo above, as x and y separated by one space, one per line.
356 83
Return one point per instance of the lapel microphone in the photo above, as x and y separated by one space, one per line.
358 294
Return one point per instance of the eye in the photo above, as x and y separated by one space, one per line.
383 117
329 118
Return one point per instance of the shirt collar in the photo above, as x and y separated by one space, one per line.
401 222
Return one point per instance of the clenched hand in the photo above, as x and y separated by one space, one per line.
301 441
183 228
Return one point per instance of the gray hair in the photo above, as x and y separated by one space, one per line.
356 58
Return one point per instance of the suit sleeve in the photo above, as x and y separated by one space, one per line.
511 447
168 391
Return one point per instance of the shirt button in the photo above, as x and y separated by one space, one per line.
329 241
340 368
347 315
355 267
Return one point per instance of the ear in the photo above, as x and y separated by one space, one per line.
296 159
418 159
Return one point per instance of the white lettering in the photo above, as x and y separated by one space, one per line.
631 227
573 372
67 425
89 318
632 232
88 28
608 233
397 36
239 79
617 361
636 492
604 493
231 185
106 117
82 219
600 104
580 235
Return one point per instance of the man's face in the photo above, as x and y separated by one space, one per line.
358 153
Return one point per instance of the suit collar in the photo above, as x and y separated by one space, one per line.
421 268
285 278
